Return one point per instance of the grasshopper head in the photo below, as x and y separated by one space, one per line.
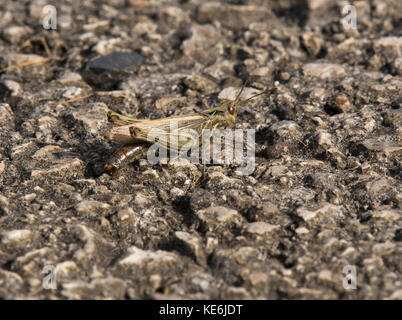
229 108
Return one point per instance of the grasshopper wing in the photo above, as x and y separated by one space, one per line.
172 126
169 140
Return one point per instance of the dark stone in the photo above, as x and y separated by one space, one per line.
106 72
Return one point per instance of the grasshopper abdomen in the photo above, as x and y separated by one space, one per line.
125 155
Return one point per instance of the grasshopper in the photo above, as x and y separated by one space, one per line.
133 132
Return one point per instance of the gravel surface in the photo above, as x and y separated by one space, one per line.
325 193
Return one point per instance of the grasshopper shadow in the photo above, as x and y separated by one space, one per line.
93 152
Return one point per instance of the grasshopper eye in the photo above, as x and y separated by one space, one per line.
231 109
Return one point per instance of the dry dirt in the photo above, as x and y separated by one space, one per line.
325 193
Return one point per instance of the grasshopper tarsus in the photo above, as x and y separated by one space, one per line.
110 169
110 116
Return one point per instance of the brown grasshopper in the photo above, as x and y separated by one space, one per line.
133 133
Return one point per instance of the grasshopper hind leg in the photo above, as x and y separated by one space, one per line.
125 155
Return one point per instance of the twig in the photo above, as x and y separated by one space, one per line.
28 63
74 99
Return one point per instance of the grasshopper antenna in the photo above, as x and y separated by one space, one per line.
256 95
237 99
